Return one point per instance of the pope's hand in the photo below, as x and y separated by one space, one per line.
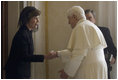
53 52
63 75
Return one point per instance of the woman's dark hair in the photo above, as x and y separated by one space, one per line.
26 14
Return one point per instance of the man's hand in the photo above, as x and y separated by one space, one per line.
63 75
113 60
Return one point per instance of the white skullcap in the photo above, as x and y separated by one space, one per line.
77 11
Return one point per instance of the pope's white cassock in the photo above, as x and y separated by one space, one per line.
84 56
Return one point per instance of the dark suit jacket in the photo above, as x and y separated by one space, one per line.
110 46
21 54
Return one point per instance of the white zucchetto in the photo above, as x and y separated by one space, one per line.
77 11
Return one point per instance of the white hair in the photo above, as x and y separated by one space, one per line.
77 11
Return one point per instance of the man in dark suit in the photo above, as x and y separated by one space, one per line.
111 49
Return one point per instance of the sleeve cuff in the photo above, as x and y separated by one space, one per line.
64 55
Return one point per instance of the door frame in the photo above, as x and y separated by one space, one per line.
4 36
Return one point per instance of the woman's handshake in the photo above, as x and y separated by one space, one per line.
51 55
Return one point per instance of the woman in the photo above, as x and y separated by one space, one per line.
21 53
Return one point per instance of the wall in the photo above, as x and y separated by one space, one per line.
58 33
13 14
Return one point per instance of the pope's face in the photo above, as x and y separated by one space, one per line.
33 23
90 17
72 21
